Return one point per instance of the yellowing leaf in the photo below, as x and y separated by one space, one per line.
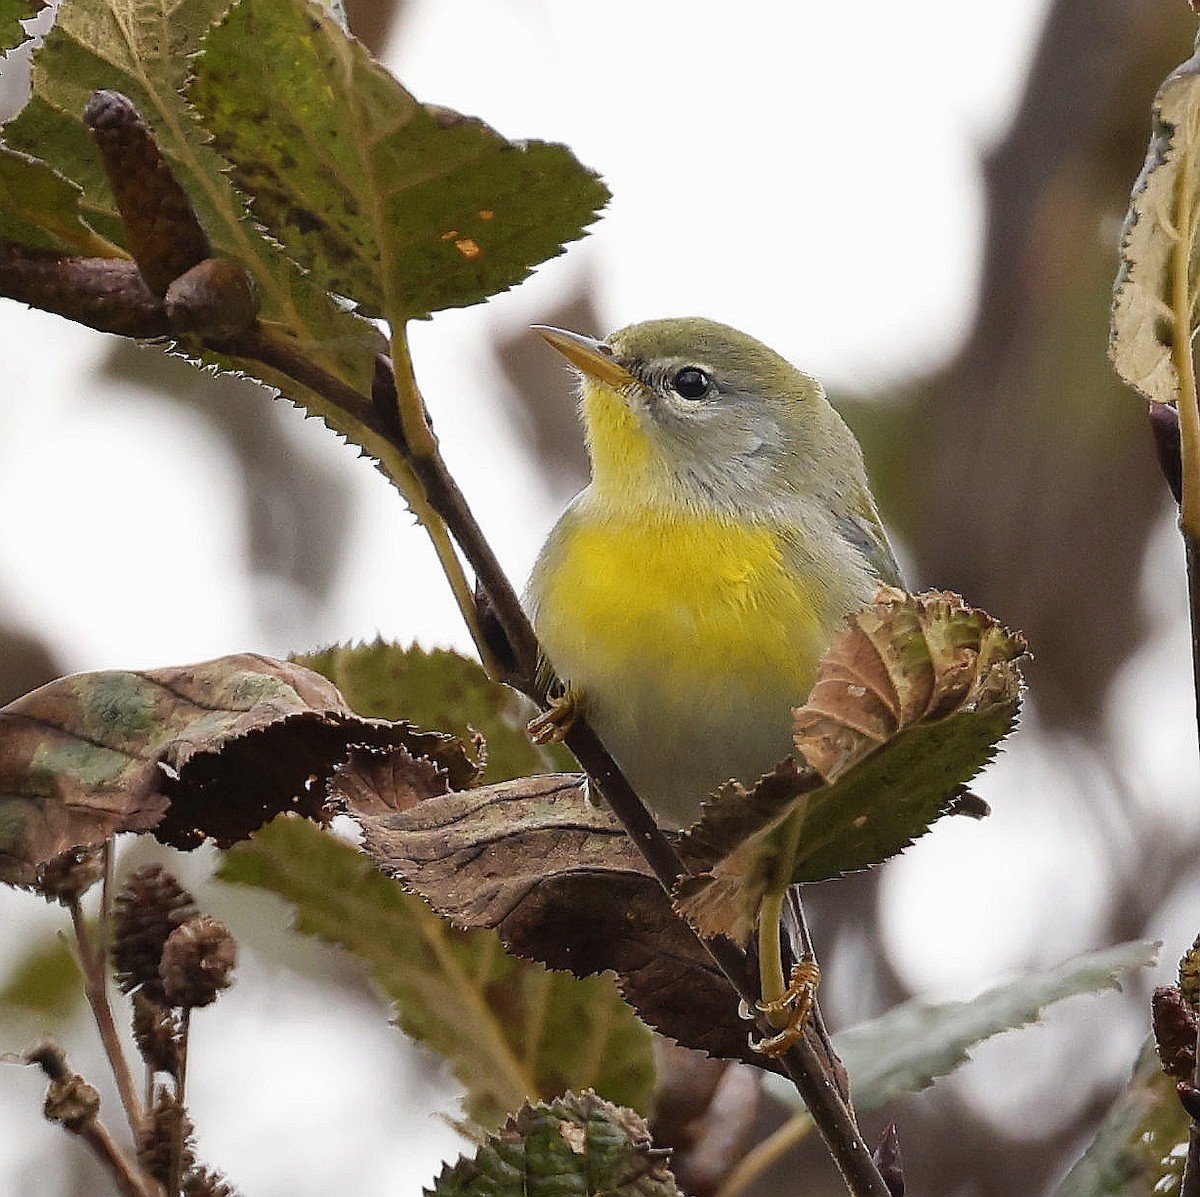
1155 303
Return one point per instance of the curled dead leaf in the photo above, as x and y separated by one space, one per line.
560 882
910 703
195 752
904 660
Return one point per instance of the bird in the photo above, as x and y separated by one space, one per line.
684 597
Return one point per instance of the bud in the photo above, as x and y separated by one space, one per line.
66 877
887 1160
1174 1023
197 960
149 907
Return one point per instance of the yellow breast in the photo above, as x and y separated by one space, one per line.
705 596
687 639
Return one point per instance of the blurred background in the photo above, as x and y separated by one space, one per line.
920 204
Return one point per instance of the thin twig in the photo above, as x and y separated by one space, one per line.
178 1136
128 1179
765 1153
93 963
806 951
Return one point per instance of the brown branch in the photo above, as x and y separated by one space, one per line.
127 1178
93 963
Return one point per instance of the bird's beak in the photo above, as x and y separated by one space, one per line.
593 357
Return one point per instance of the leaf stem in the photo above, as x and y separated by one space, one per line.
178 1135
1182 298
765 1153
423 457
770 957
418 435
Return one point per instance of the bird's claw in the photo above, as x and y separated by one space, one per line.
793 1008
553 724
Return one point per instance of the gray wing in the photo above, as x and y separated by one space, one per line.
869 538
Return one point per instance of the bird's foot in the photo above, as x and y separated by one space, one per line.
553 724
790 1011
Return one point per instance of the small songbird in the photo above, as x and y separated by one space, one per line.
685 595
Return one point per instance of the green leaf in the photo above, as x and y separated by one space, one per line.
438 689
909 1047
402 208
45 980
910 703
1154 315
40 209
1141 1145
142 51
577 1145
510 1029
914 1043
12 13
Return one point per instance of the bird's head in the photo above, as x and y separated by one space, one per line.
691 413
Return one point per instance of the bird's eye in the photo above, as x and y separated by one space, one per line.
691 383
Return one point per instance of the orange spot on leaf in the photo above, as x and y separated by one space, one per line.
468 248
450 235
486 214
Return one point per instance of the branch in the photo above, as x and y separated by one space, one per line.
94 965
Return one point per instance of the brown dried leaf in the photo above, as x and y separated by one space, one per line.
193 752
910 703
559 880
377 780
904 660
